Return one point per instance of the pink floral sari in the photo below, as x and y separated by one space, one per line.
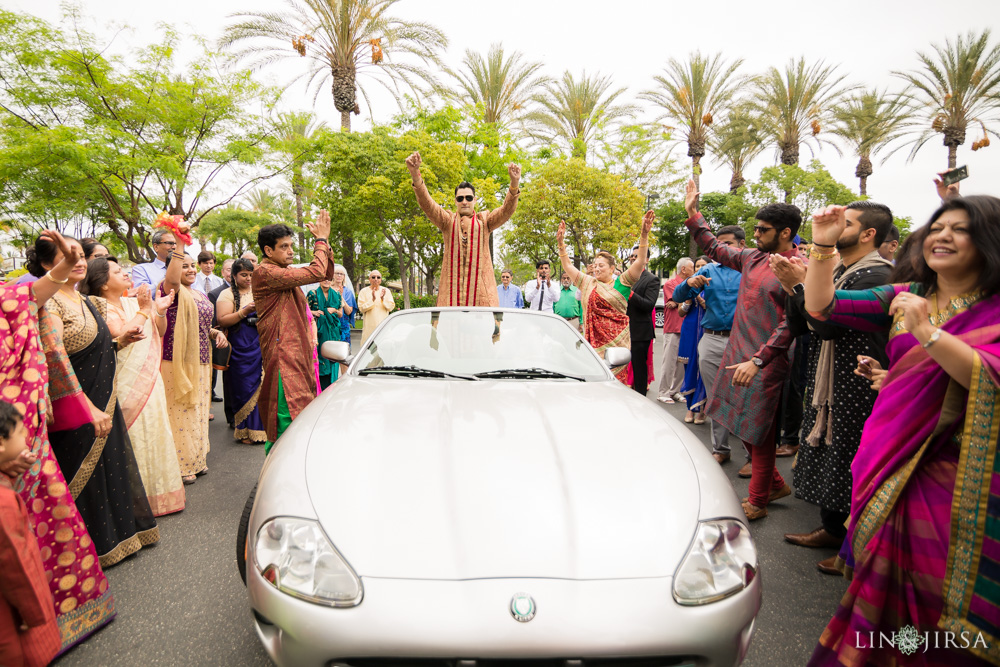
83 603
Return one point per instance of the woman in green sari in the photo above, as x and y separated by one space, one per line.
327 308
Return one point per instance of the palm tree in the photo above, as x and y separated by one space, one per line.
574 109
502 85
348 41
957 86
295 129
691 94
868 122
736 142
794 104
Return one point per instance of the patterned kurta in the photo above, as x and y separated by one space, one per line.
822 473
759 330
466 268
285 340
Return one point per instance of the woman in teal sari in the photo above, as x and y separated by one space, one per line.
923 543
327 308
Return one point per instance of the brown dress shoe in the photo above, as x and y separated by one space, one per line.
775 494
746 471
816 539
721 458
829 566
787 450
753 512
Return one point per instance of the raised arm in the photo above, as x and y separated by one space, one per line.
172 279
45 287
501 215
321 267
703 235
567 266
631 277
434 212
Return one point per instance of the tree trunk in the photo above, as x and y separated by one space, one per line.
297 191
693 251
736 182
345 121
347 259
404 279
863 186
952 156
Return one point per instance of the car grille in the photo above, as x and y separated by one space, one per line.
672 661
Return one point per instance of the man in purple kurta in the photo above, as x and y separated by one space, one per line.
746 394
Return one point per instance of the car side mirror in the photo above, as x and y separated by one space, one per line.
336 350
617 356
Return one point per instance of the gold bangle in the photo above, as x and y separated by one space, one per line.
818 256
143 314
57 282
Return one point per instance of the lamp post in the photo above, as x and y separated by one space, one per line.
650 198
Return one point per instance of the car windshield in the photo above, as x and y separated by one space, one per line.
471 342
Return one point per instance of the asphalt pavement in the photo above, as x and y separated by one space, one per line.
181 602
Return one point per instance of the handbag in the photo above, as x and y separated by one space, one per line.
220 357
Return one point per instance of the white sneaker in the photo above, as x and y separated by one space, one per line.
666 399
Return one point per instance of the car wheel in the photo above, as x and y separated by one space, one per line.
241 536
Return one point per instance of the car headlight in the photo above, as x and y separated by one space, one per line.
296 557
721 561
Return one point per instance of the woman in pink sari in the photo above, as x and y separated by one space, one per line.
923 543
80 593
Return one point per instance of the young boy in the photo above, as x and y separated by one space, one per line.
29 634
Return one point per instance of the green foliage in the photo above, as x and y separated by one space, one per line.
809 189
602 212
235 229
640 154
672 237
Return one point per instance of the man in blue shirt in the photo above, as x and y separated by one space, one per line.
509 295
152 273
721 287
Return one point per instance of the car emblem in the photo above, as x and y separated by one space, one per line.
522 607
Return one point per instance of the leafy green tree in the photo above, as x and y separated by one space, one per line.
501 86
574 110
793 104
672 236
137 134
601 210
736 142
957 86
868 122
350 42
640 154
234 229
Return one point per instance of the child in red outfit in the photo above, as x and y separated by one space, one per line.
29 635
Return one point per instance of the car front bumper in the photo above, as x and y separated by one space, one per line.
406 619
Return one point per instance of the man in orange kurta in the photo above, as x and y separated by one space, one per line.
289 383
466 268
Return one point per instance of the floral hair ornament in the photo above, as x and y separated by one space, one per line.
174 223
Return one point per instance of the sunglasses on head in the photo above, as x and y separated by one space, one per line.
461 198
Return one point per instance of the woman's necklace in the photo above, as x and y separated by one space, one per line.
956 305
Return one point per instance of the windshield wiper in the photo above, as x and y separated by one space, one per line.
414 371
528 373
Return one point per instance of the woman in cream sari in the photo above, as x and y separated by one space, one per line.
140 387
605 296
187 362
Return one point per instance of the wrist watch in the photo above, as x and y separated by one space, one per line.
323 239
757 361
799 289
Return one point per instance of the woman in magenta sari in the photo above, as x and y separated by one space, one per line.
923 543
605 295
83 603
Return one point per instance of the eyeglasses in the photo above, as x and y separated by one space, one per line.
761 229
461 198
375 277
168 242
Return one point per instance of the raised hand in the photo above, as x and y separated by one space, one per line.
647 224
163 302
691 195
561 234
514 171
71 253
142 296
945 192
413 163
321 228
828 224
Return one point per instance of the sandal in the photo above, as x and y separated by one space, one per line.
189 479
699 423
688 420
203 471
211 417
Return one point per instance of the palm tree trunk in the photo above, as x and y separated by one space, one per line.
736 182
696 175
952 156
863 186
345 121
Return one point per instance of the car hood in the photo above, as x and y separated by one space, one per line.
440 479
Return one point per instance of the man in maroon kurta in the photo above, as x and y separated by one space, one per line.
289 383
746 394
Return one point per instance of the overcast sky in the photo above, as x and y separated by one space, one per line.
867 39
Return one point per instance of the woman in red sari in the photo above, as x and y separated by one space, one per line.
605 296
83 603
923 543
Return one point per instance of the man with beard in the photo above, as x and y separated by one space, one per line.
838 401
747 400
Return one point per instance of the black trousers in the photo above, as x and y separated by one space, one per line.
833 522
227 399
640 371
793 393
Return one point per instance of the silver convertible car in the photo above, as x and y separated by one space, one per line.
478 490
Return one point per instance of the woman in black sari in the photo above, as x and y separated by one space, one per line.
95 455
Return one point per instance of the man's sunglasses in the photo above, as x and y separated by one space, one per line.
461 198
375 277
761 229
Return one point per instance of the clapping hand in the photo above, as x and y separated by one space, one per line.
691 198
321 228
130 336
163 302
142 296
789 272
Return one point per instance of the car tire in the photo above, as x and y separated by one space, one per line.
241 536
